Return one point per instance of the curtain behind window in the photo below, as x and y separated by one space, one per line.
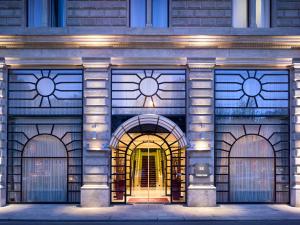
252 170
160 13
37 13
138 13
44 170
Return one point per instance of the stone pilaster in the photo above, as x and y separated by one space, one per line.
96 132
295 134
3 135
200 129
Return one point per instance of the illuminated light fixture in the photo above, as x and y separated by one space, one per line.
94 135
202 135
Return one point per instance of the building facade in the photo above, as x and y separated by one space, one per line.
150 101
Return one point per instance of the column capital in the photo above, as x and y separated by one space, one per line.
201 63
2 63
93 62
296 63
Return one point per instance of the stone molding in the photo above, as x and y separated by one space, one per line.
148 61
42 61
3 118
295 150
258 62
159 41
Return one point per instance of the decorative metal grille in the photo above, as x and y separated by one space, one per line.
251 92
252 105
137 91
45 92
274 131
44 103
22 130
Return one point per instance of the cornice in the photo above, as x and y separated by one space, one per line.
263 62
147 61
149 41
43 61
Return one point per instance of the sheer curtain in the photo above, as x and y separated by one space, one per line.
138 13
252 170
37 11
44 170
240 13
160 13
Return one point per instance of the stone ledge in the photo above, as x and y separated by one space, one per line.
201 195
95 195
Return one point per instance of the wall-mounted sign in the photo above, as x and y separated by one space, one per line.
201 170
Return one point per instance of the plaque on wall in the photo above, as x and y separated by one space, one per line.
201 170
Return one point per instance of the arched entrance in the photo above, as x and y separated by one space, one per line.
148 161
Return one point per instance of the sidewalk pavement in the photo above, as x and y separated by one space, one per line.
62 212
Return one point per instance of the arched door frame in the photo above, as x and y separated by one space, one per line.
158 122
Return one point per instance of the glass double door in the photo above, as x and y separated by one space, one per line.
148 180
149 172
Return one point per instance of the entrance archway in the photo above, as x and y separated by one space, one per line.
148 161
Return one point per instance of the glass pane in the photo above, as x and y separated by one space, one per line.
240 15
160 13
58 13
33 92
138 13
37 13
263 13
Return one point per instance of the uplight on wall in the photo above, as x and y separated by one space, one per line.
94 133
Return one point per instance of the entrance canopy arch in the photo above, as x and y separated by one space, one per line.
148 131
142 123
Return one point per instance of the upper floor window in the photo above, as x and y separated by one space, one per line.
149 13
46 13
251 13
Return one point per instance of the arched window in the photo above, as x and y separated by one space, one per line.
44 170
252 170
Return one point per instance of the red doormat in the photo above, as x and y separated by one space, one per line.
146 200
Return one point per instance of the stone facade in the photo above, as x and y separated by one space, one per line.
286 13
183 13
200 125
295 162
3 134
95 189
97 13
185 45
12 13
201 13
